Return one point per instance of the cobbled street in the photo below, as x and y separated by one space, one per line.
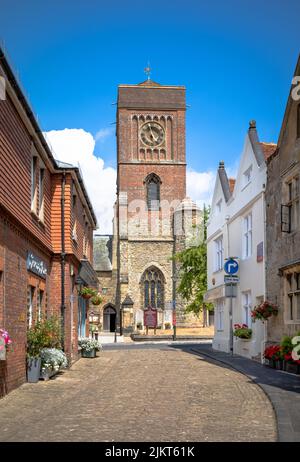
140 394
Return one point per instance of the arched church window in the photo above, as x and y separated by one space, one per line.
153 191
153 287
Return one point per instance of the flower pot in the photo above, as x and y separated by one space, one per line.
88 354
47 373
270 363
86 296
279 364
33 369
293 368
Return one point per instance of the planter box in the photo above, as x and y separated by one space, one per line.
33 370
279 365
88 354
46 374
291 367
270 363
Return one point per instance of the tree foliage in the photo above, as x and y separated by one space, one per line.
193 272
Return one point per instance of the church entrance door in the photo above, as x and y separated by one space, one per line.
109 319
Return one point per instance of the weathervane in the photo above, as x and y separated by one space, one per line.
148 70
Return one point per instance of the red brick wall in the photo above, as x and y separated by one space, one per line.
14 281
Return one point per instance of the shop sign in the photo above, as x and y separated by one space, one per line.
36 265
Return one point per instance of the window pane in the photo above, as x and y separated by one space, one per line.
146 293
153 195
297 306
153 304
159 295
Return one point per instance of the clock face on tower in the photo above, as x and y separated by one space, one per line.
152 134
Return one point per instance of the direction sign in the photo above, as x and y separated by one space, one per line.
231 266
231 279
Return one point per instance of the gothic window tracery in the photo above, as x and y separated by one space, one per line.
153 288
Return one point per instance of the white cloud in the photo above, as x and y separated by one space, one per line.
103 133
200 186
76 146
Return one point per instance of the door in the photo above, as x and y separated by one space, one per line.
109 319
81 317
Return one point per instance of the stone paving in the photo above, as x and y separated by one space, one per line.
148 395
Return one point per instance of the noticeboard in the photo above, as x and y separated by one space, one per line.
150 317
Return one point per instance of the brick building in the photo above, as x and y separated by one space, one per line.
283 223
46 234
153 217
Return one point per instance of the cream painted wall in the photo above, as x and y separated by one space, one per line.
244 200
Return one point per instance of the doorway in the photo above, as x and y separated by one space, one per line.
109 319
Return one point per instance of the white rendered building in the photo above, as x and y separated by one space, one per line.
237 229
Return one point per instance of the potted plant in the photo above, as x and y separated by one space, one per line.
4 343
273 355
52 360
291 363
264 311
167 325
96 300
44 334
242 331
87 292
89 346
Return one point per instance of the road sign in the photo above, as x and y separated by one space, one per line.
231 279
230 290
231 266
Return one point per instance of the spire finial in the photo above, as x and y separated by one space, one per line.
148 70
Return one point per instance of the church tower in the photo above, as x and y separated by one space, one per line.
151 185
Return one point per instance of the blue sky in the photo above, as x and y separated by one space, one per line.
236 59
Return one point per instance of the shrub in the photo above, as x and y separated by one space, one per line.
44 334
88 344
53 359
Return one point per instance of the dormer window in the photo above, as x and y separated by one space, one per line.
248 175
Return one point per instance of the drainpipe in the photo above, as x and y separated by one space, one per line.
63 259
264 266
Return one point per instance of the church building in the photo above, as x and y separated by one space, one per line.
153 217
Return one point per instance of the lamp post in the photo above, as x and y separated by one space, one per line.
127 304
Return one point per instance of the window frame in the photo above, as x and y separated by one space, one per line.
247 236
219 254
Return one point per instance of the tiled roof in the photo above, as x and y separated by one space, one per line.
149 83
268 149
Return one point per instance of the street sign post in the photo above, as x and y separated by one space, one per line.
231 266
231 279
